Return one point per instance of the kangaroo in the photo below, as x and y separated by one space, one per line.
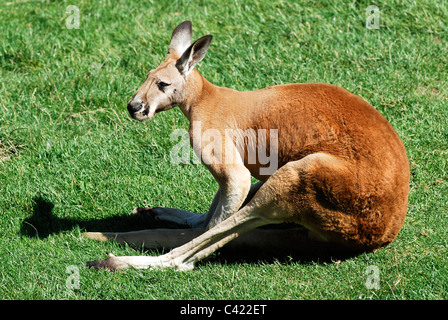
341 170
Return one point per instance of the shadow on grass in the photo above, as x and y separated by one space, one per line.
43 223
303 251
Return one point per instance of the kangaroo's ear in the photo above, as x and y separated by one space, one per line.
195 53
181 38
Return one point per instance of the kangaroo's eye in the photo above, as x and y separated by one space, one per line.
162 85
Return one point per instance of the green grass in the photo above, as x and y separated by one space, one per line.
71 159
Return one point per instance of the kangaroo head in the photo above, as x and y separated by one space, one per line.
166 86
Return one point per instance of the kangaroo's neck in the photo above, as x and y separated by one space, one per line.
199 91
204 101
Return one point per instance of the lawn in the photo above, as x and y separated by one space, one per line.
71 159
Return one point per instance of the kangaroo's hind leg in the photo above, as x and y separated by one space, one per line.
270 205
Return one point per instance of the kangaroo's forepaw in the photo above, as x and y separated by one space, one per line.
160 217
153 212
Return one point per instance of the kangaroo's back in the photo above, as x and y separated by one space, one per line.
318 117
342 170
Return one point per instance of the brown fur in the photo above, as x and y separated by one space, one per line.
343 171
365 193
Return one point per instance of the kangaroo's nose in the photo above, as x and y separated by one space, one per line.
134 106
